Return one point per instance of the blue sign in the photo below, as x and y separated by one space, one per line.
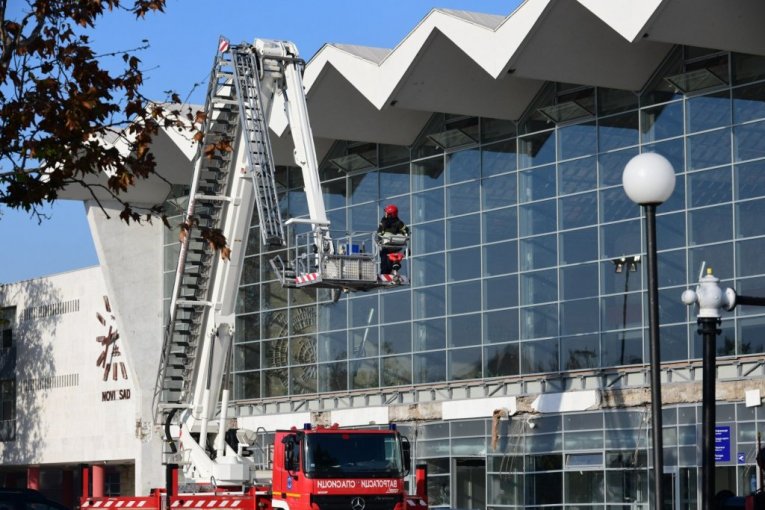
741 458
722 444
289 483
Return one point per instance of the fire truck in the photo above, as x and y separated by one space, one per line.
254 86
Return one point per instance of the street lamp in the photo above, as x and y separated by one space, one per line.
625 265
649 180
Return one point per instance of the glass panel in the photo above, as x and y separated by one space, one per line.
463 231
463 165
500 326
499 191
537 218
579 316
710 225
537 149
577 210
428 237
464 330
538 252
396 306
495 129
717 256
364 374
613 100
500 224
276 382
577 140
397 371
429 335
585 487
429 302
396 338
363 311
428 173
498 158
539 356
363 218
708 112
749 218
390 154
363 187
618 131
663 121
747 68
577 175
247 327
428 205
502 360
625 348
672 268
247 385
539 321
751 335
464 297
623 311
536 184
464 264
247 356
364 342
750 141
539 287
333 346
333 376
749 259
465 364
620 239
749 103
578 245
303 380
674 340
430 367
750 179
428 270
463 198
248 299
579 281
394 181
544 489
500 292
333 315
710 187
709 149
615 205
500 258
611 166
580 352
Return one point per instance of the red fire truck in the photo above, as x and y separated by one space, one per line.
313 468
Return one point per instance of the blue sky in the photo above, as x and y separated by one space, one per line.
183 41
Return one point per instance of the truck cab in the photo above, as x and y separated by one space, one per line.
335 469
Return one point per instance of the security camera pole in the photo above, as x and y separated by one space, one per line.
711 300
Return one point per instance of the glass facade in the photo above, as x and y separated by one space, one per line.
518 234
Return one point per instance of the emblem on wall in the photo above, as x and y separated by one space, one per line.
109 360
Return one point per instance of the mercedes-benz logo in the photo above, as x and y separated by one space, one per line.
358 503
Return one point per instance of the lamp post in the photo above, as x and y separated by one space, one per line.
711 301
649 180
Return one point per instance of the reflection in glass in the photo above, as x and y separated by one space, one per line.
500 224
577 210
577 140
750 179
500 258
618 131
498 158
429 335
463 198
708 149
464 297
463 231
710 225
463 330
396 338
463 165
428 173
538 252
537 149
363 374
539 321
663 121
540 356
499 191
749 141
536 184
430 367
580 352
500 292
579 316
577 175
465 364
537 218
502 360
427 206
578 245
500 326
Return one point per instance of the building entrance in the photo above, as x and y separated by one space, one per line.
469 484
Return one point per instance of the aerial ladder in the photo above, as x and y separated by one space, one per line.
234 178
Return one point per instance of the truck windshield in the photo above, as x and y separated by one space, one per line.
353 455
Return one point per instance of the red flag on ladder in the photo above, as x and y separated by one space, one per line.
223 45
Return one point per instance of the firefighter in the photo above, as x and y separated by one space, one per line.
390 224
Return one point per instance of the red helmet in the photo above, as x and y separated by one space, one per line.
391 210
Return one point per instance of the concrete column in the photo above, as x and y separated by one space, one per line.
33 478
98 480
